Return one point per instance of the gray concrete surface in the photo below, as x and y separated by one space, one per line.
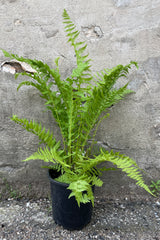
116 32
111 220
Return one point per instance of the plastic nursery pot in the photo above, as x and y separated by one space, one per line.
66 212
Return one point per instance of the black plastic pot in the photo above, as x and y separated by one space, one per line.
66 212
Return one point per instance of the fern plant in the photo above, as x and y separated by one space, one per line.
77 105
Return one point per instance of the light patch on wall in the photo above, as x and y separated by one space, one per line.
16 67
122 3
93 32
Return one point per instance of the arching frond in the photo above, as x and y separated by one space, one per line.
53 155
82 71
37 129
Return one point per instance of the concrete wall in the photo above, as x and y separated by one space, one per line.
116 32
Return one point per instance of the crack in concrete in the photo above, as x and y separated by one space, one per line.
107 145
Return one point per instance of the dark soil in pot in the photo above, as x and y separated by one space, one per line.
66 212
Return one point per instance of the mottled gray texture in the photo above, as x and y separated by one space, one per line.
111 220
116 32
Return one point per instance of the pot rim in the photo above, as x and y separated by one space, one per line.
56 182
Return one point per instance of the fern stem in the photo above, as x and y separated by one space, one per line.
89 130
70 124
94 134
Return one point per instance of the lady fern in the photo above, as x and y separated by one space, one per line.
76 105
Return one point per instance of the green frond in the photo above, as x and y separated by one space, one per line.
78 189
36 128
77 72
104 96
56 61
28 83
55 103
97 181
57 167
108 77
79 48
66 177
126 164
53 155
